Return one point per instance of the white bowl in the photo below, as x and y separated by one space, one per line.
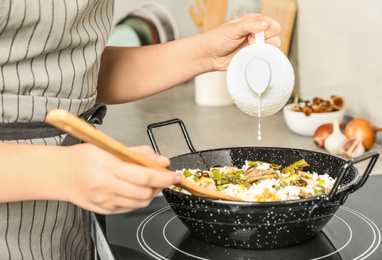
301 124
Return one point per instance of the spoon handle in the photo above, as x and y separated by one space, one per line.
79 128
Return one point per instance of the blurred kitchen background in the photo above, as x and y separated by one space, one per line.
334 49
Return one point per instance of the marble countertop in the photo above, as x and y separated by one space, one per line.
208 127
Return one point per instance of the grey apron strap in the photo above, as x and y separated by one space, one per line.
34 130
93 116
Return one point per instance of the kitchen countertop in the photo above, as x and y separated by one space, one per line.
208 127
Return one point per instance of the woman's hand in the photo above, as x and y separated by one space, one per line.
100 182
221 43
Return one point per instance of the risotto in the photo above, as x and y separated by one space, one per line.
261 181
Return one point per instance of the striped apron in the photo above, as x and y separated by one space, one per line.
78 243
50 54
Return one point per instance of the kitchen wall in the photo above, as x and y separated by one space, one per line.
336 48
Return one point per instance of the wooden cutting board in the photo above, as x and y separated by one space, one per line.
284 12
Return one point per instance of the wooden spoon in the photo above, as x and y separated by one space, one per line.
79 128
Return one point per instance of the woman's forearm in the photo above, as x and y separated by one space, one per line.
29 172
83 174
128 74
132 73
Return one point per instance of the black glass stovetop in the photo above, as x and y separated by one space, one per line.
154 232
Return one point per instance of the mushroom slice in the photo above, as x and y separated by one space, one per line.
304 194
306 174
298 183
261 177
252 172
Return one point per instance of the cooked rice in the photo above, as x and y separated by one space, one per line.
272 189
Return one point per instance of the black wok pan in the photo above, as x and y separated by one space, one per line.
261 225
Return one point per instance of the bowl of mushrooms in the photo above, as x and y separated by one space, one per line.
304 118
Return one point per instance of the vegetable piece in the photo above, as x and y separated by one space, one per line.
292 177
299 164
222 181
187 173
319 190
258 163
253 163
177 188
220 187
275 166
237 175
216 174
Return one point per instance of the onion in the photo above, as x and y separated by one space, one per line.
322 132
361 127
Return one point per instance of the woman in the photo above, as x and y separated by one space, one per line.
52 56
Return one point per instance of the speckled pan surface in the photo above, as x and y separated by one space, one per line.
258 225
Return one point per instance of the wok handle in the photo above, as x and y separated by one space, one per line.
361 181
166 123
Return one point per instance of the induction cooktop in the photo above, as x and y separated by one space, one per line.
155 232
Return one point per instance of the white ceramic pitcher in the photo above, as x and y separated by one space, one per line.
260 78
